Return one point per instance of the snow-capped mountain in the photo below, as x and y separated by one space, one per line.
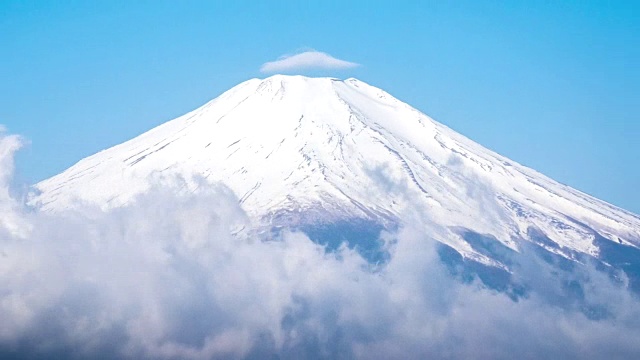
299 151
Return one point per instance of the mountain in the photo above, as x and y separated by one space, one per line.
343 158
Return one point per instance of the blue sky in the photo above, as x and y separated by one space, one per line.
553 86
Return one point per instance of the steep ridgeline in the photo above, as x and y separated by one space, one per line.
312 152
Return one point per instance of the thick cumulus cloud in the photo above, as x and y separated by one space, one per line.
175 275
307 60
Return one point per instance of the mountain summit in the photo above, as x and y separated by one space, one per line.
299 151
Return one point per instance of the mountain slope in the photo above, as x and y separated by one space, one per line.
299 151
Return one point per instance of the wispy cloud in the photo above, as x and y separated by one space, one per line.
310 59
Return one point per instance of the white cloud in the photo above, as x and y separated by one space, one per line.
311 59
163 278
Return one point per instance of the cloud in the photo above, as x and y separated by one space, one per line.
171 276
311 59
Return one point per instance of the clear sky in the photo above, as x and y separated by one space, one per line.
553 86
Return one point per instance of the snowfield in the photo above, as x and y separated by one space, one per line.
299 151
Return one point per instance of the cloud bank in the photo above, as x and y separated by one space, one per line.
176 275
307 60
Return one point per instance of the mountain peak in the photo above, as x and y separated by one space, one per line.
287 78
300 81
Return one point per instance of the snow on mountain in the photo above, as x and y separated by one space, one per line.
299 150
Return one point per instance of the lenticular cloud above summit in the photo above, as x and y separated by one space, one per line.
294 217
307 60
